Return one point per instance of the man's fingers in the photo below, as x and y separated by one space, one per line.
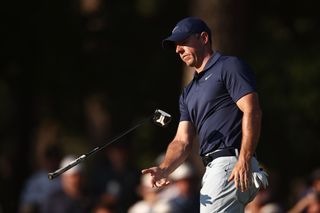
243 185
231 177
240 176
166 183
154 183
158 179
236 181
244 182
146 171
161 183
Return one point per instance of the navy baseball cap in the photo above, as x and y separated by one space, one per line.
185 28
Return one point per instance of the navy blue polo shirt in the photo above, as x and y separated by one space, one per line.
209 102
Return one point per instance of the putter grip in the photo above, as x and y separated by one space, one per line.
58 172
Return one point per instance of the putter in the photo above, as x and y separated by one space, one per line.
159 117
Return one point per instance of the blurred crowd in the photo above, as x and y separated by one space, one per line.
115 187
111 182
112 186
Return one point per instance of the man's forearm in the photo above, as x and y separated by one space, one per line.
177 152
251 125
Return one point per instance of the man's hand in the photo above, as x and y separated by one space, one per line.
159 176
177 152
241 174
251 124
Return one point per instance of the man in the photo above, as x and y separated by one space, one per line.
38 187
221 106
310 200
71 198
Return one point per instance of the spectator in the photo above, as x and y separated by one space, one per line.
148 194
182 195
103 207
262 203
38 186
71 198
267 199
310 202
113 178
315 181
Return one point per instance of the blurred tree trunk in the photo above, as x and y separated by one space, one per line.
227 20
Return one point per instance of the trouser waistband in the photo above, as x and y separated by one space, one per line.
206 159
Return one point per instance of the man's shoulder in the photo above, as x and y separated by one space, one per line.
231 59
233 63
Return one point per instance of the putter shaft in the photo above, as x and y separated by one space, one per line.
155 117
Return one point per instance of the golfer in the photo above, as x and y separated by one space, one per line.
220 106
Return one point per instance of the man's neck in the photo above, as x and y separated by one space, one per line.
204 61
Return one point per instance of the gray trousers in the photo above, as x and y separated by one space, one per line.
218 194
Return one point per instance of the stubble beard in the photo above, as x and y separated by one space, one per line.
189 60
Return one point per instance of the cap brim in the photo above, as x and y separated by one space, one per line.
170 42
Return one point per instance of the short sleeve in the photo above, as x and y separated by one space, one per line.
184 113
238 78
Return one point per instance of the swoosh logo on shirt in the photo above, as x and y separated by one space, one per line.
206 78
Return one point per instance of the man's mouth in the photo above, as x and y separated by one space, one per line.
184 57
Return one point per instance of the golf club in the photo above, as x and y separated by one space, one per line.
159 117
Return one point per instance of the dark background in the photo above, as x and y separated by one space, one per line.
55 54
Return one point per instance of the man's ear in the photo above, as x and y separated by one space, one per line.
204 37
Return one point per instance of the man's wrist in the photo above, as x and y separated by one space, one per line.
164 170
245 157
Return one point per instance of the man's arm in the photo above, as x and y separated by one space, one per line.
251 125
177 152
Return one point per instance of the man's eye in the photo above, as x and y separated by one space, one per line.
184 43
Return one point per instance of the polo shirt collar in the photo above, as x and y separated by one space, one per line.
213 59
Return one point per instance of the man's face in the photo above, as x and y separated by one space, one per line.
190 50
72 183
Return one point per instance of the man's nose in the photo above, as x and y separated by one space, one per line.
179 49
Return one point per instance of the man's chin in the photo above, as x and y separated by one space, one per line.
189 63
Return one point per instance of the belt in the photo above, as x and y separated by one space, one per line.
206 159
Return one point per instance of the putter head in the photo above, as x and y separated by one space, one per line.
161 118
